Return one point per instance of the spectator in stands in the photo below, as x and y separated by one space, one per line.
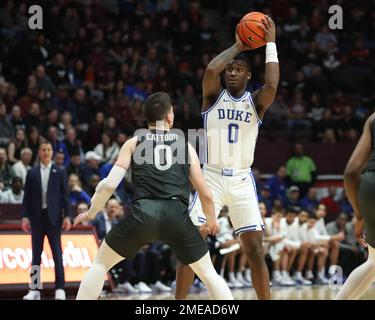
75 191
293 197
278 184
34 139
73 144
345 205
276 117
20 168
14 195
33 117
58 145
304 249
333 240
16 118
75 165
108 149
93 183
310 201
5 169
266 198
90 167
44 81
16 145
6 128
350 254
331 204
301 170
297 117
258 182
59 158
348 126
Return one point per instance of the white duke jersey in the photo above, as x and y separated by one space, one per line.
231 126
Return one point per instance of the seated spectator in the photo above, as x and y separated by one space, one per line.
331 204
16 145
75 191
59 158
90 167
304 249
75 165
351 254
81 208
276 117
20 168
6 128
107 150
266 198
318 249
348 126
333 240
310 201
293 197
5 169
297 117
278 185
345 205
16 118
58 145
14 195
301 170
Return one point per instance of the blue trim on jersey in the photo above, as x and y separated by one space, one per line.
255 110
202 220
214 105
251 226
193 202
256 195
245 230
237 99
205 117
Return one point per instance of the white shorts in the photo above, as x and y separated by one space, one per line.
238 192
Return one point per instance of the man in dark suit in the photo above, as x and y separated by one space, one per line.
45 210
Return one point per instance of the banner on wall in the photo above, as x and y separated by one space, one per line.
79 251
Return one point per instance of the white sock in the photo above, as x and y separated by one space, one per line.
321 274
222 271
216 286
285 274
276 273
92 283
359 280
247 273
231 276
298 274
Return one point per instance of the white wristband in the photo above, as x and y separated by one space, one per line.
271 52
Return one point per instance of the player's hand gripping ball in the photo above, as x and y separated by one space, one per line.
251 29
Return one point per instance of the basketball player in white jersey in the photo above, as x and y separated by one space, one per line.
232 117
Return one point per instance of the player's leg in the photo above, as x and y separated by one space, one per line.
184 274
216 285
292 254
321 262
310 262
334 252
252 243
359 280
93 281
247 222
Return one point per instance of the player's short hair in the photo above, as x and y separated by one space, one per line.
311 214
44 142
157 107
243 57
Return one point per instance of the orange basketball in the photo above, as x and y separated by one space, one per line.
248 29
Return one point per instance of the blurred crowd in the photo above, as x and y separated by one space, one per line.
81 82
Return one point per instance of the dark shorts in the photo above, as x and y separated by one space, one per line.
366 196
165 220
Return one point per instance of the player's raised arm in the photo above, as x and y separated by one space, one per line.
108 185
211 78
263 97
204 192
353 170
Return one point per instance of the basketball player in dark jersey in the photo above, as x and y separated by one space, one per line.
359 179
162 163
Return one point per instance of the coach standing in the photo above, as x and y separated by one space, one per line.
45 210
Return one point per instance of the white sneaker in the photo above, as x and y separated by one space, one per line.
32 295
60 294
127 288
288 280
302 281
309 275
322 280
277 279
242 280
143 288
161 287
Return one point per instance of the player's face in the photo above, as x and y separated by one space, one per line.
237 75
321 211
290 218
170 118
303 217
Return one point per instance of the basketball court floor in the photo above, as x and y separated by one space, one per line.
278 293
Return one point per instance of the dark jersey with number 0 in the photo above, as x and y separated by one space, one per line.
160 166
